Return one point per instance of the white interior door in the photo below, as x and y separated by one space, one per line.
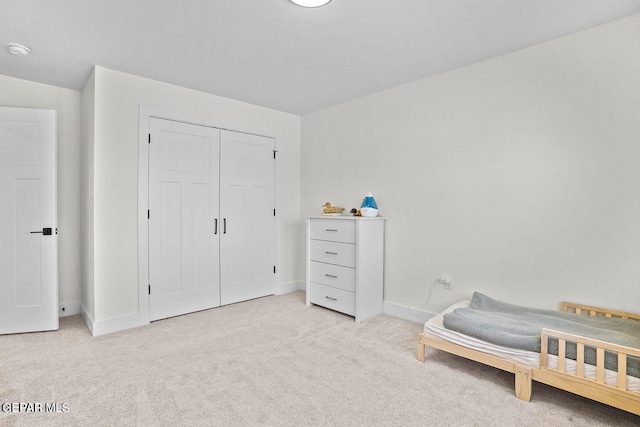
28 247
184 226
247 243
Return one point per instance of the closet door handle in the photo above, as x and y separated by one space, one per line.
45 232
216 226
331 275
330 229
331 298
331 253
224 225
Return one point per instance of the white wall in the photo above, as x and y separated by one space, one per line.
67 103
518 176
87 197
115 173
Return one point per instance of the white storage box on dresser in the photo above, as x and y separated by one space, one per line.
345 264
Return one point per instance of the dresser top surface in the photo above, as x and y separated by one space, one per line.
345 217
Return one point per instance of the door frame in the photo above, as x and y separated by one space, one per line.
145 114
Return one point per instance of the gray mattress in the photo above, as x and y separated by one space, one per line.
519 327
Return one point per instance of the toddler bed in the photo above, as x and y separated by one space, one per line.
601 365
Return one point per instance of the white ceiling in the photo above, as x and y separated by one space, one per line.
275 54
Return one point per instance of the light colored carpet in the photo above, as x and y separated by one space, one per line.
269 362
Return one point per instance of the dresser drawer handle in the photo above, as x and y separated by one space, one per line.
332 276
331 229
331 298
331 253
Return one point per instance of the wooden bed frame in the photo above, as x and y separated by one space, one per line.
616 396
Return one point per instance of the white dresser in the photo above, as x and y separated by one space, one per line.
345 264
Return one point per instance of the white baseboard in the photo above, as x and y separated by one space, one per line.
68 309
107 326
406 312
285 288
88 320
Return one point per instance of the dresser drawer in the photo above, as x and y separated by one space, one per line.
335 299
333 253
333 230
333 275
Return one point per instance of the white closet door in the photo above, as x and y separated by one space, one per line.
184 225
247 243
29 244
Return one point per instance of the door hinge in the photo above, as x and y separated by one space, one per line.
274 153
274 212
149 138
149 289
274 269
148 214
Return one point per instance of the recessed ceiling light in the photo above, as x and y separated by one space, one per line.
18 49
310 3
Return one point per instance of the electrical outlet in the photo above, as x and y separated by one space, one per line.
446 282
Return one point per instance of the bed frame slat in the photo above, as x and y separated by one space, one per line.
562 347
544 350
622 371
580 360
600 365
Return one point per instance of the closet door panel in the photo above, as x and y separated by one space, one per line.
234 235
204 271
260 227
247 247
184 204
171 238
